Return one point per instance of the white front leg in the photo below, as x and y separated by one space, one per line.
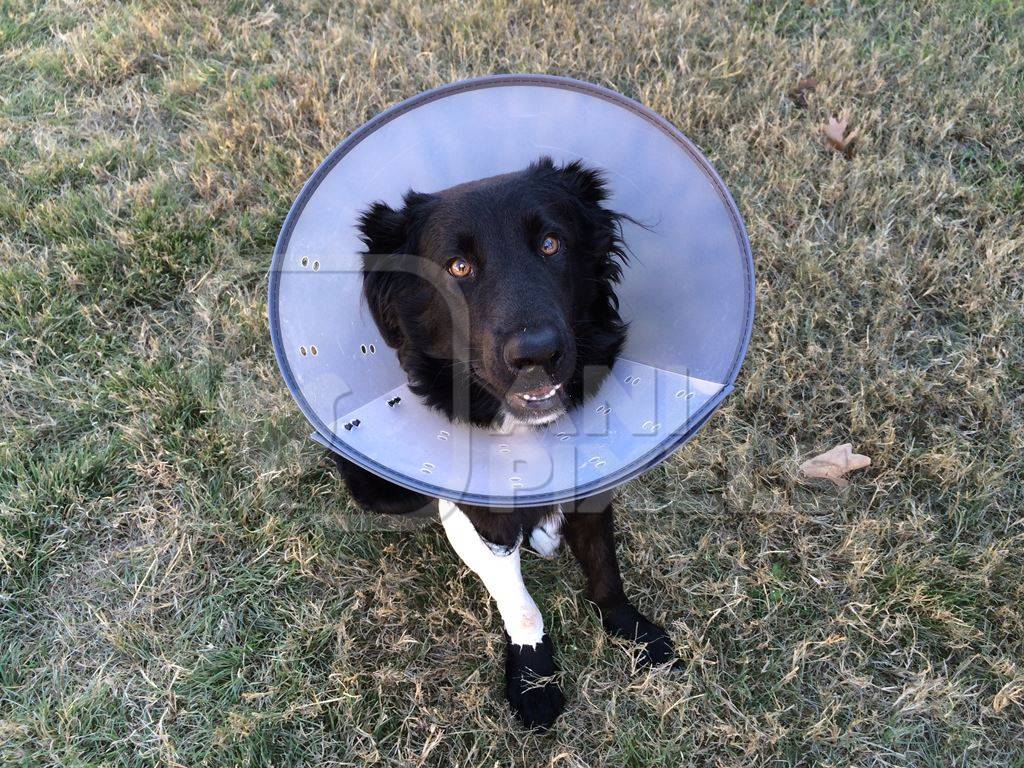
500 573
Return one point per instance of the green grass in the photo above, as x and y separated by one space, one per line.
183 581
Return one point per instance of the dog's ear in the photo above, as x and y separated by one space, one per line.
586 183
384 232
388 234
602 226
379 288
383 229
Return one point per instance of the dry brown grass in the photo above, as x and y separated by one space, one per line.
183 582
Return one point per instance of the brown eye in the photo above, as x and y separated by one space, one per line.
549 245
460 268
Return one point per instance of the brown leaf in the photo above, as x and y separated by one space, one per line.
799 92
834 464
836 135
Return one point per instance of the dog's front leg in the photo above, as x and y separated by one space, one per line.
532 692
590 532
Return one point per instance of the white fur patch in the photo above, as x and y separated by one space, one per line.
509 421
546 537
500 573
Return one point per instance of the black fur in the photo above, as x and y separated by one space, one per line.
496 224
530 687
498 216
377 494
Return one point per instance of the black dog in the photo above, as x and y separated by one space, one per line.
529 262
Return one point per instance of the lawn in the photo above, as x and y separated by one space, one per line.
183 581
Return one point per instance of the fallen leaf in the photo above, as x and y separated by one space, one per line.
799 92
836 135
833 465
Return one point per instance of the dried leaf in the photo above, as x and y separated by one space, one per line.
836 135
834 464
799 92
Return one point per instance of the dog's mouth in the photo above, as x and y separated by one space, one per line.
538 397
543 402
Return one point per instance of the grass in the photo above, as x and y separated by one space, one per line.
182 580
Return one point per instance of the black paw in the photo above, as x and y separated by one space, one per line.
628 623
534 696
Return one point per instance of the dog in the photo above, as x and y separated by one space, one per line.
530 261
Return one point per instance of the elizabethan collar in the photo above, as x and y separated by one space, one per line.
687 293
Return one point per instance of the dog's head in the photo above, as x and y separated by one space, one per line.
498 294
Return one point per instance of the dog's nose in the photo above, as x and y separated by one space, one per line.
540 347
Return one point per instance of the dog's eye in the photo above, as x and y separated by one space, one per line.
460 268
549 245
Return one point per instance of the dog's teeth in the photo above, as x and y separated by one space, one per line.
544 396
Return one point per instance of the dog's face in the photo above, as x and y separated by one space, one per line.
498 294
